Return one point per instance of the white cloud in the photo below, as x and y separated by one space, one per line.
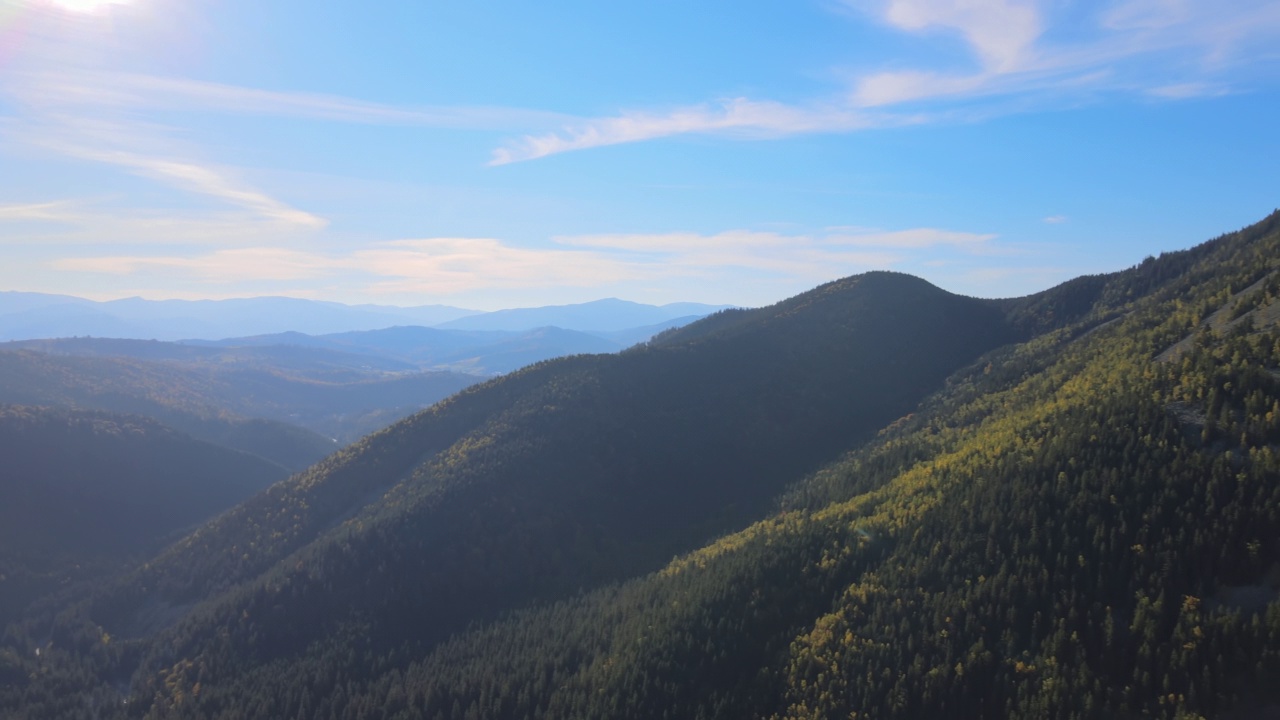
1001 32
49 211
238 264
1125 47
146 151
93 222
450 266
739 116
1055 219
438 266
92 115
205 180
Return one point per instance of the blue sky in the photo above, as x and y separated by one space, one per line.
501 154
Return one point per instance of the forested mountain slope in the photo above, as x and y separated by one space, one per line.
251 403
174 396
83 492
563 476
287 354
1075 525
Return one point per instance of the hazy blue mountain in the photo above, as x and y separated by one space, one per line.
15 302
34 315
27 316
481 352
606 315
65 320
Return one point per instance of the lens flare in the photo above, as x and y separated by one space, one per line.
11 26
86 6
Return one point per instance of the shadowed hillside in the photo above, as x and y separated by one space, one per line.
293 420
882 500
566 475
84 492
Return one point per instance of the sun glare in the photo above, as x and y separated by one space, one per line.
87 6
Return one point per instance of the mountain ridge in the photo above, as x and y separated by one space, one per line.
881 499
446 476
606 315
31 316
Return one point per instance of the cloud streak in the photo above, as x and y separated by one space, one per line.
1001 32
201 179
738 116
1014 51
242 264
138 92
92 116
441 267
94 222
97 135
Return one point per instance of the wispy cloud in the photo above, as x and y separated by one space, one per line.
738 116
1121 47
79 88
1001 32
194 177
452 265
440 267
436 266
146 150
95 116
238 265
49 211
1014 52
96 222
1055 219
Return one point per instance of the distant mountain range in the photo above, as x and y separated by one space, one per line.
25 316
474 351
292 398
599 316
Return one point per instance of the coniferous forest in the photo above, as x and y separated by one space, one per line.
876 499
